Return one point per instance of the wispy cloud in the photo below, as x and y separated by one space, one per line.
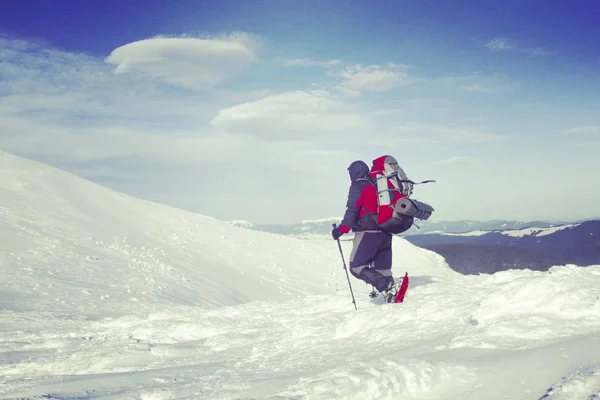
186 62
477 83
503 44
29 67
306 62
373 78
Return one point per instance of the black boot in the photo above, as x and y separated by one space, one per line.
374 278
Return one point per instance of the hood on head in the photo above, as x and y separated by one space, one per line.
358 169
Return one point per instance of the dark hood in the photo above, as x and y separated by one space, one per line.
358 169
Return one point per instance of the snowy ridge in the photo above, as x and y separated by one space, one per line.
321 227
530 231
320 221
242 223
537 231
105 296
472 233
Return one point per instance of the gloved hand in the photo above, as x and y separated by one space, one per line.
339 231
336 233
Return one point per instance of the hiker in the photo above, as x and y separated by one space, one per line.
371 257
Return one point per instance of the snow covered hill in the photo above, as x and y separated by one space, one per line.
104 296
79 246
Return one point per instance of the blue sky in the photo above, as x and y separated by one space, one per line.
500 103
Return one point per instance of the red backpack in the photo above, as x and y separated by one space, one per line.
395 210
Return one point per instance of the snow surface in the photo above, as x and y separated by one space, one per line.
104 296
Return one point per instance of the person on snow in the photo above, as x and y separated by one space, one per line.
371 257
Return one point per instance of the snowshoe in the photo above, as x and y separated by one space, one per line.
389 294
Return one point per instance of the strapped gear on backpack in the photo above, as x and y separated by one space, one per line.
392 186
387 166
413 208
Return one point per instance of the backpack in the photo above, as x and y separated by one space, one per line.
395 209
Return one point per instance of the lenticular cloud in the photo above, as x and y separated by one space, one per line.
184 62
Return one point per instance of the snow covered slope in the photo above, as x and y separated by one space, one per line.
80 246
104 296
77 246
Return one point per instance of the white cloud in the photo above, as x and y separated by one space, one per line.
477 83
306 62
502 44
298 115
373 78
184 167
72 111
186 62
70 107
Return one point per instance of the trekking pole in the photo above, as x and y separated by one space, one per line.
345 269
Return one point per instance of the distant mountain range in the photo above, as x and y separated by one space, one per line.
472 247
323 226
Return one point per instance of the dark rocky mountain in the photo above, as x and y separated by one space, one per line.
538 249
473 259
